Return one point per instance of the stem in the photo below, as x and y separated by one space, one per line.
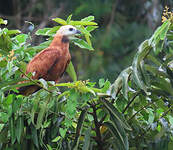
145 132
133 98
34 81
140 110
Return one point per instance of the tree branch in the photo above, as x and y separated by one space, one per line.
133 98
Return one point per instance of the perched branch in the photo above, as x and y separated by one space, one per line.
30 79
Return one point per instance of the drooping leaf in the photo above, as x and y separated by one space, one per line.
19 128
120 82
41 114
117 136
143 51
79 129
87 139
71 71
120 130
34 136
82 44
111 108
12 130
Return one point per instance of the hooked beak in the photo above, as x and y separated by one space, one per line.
78 32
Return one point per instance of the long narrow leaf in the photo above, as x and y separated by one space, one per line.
111 108
143 51
87 139
117 136
120 130
79 129
71 71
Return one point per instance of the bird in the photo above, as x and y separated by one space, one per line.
50 63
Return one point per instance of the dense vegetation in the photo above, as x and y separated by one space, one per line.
135 109
133 112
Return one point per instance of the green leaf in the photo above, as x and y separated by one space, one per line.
89 18
19 128
4 117
82 44
79 129
22 65
87 139
62 132
101 82
106 86
151 116
84 23
12 130
17 85
35 106
44 31
21 38
160 33
71 71
120 131
69 19
53 30
3 52
111 108
34 136
9 99
49 147
143 51
85 32
10 82
125 88
170 118
117 136
56 139
43 108
11 32
91 28
155 71
60 21
4 134
120 82
3 21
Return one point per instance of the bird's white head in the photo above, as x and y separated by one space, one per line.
68 30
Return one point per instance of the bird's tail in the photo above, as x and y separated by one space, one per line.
28 90
25 90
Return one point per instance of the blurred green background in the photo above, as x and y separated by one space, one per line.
123 24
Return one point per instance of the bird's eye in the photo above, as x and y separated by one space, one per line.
70 29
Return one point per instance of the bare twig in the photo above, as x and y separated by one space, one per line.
133 98
144 107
